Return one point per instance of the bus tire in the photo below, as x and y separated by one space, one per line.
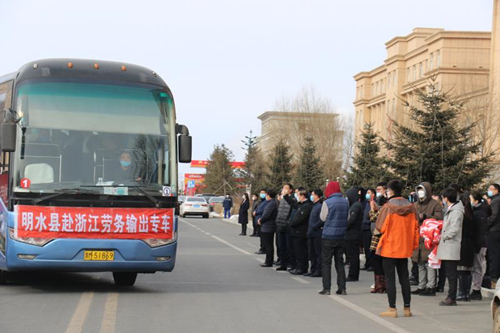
3 277
124 279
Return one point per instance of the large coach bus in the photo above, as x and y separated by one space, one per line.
88 169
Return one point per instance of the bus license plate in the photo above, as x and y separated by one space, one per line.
99 256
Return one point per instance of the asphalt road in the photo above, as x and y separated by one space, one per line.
217 286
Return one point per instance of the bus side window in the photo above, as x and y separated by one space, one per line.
5 103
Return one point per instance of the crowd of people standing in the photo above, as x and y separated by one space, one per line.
452 236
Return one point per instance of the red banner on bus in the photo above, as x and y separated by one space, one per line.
89 222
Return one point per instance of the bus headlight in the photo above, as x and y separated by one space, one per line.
155 242
29 240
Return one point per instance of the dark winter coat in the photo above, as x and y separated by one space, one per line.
494 218
300 220
426 209
227 203
356 213
367 223
268 219
284 210
260 209
315 224
336 221
243 214
480 217
467 249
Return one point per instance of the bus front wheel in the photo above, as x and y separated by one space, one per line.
125 279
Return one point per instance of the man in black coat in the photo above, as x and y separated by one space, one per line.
353 235
267 224
298 229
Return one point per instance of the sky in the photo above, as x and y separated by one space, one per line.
228 61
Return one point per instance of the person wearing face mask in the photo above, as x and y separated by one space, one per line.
450 243
427 208
127 171
314 232
493 224
366 228
286 254
227 204
255 204
298 229
481 212
243 214
257 215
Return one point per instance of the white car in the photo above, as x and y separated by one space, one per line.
195 206
495 309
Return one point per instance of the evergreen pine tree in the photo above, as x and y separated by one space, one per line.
280 165
220 178
367 168
253 173
438 149
309 173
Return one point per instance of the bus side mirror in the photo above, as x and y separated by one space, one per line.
9 131
185 148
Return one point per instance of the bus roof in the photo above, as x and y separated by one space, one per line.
98 69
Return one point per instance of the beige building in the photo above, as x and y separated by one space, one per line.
457 61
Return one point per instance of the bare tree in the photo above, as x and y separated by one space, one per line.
310 114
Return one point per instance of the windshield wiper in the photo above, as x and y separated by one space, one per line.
61 193
149 196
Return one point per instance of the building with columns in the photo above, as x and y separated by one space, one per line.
456 61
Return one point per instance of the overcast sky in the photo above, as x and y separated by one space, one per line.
228 61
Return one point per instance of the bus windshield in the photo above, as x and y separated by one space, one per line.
83 133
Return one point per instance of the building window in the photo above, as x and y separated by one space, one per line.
373 90
393 104
421 70
414 72
426 68
389 80
394 80
408 75
438 59
432 62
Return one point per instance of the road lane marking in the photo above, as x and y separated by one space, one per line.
369 315
109 318
301 280
220 240
231 245
80 314
260 260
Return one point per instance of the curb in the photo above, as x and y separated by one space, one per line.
230 221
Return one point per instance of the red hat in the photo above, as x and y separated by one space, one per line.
332 188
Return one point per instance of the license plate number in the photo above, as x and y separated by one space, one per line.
197 206
99 256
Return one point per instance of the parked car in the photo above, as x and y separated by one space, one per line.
195 206
214 201
181 199
495 309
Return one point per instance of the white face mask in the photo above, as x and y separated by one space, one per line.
421 194
243 197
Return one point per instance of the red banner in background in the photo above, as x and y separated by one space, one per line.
89 222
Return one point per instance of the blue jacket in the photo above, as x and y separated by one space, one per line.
260 209
315 223
336 222
227 203
268 219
